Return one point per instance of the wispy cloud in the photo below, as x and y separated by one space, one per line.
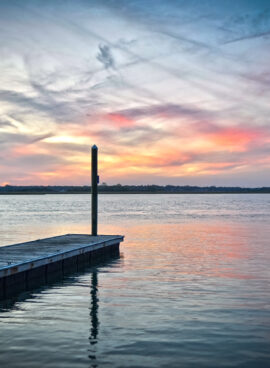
166 89
105 56
166 110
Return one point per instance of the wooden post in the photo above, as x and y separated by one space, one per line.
94 189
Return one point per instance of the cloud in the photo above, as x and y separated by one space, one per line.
67 148
247 25
11 141
38 161
105 56
5 123
167 99
53 108
247 37
166 110
119 120
125 136
22 100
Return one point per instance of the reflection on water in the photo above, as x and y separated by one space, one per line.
24 218
94 319
183 293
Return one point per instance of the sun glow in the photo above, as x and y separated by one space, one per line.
67 139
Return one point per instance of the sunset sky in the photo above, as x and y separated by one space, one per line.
172 92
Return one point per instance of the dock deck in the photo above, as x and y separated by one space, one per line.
24 263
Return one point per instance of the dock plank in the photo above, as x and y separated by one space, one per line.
24 256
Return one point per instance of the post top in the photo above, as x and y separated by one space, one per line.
94 147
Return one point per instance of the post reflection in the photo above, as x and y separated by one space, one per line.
93 338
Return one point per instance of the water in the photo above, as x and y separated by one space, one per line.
191 288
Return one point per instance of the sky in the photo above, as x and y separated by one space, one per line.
171 92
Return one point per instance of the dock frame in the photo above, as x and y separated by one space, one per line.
24 265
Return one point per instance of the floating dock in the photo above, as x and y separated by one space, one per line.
24 265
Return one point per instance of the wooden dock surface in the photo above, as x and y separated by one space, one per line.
23 262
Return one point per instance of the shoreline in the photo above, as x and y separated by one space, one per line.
198 192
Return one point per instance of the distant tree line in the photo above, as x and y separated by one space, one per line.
118 188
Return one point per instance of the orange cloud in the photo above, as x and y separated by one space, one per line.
25 150
187 150
119 120
234 137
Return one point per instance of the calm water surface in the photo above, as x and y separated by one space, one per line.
191 288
